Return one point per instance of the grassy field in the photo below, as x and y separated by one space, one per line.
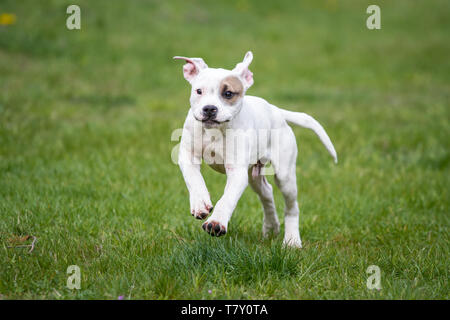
85 124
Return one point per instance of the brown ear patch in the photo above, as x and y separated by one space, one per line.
234 85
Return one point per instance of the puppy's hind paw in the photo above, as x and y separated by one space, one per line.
293 242
214 228
270 229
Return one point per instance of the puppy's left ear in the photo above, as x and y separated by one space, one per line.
242 70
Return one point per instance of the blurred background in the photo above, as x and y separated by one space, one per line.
86 118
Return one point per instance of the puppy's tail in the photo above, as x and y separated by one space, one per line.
306 121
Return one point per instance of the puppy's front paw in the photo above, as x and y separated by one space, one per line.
200 209
214 228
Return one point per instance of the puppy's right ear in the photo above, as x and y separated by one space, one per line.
192 67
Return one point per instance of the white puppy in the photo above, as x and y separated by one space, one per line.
221 115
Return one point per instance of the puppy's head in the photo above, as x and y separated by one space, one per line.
216 94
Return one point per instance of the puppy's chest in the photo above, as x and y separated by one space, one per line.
220 151
214 145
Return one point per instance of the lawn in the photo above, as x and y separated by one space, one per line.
86 118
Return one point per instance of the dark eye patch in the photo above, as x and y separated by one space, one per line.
231 89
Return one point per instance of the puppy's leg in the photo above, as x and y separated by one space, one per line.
288 187
264 190
286 180
237 181
199 197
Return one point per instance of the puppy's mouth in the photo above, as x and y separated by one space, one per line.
211 122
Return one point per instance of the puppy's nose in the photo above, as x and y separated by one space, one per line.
210 111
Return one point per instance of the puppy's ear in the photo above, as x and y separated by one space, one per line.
192 67
242 70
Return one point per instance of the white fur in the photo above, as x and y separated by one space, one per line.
247 113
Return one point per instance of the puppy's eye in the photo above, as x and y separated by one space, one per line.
228 94
199 91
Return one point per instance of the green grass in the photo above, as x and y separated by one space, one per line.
85 124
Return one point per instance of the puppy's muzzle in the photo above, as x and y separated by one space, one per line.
209 112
